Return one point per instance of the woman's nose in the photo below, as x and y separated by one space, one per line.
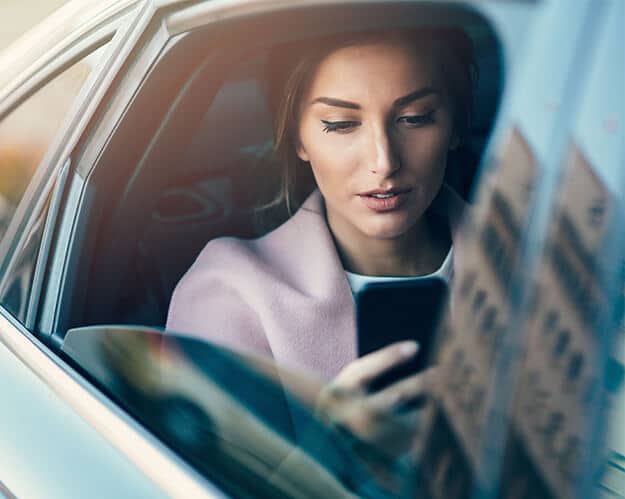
384 160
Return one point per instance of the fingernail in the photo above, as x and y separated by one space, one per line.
409 348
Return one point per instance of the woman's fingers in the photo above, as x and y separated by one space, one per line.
386 419
346 399
362 371
406 391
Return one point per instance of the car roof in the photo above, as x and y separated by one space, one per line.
62 28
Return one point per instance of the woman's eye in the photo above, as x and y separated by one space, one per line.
337 126
417 119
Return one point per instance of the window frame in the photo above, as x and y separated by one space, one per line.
13 103
63 263
144 41
50 174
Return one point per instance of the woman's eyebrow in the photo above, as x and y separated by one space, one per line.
417 94
331 101
402 101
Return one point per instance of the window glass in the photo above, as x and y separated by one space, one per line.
168 210
17 286
28 131
25 135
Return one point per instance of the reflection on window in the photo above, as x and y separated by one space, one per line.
28 131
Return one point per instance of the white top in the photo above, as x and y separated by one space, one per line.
445 271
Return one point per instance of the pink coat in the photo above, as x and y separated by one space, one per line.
284 295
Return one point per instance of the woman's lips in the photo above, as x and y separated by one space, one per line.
384 201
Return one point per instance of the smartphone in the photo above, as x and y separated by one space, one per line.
388 312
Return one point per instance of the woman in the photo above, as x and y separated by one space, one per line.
374 118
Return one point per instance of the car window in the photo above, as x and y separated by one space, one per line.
212 145
28 131
26 134
232 416
221 409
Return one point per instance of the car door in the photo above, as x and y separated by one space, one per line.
91 145
56 431
43 107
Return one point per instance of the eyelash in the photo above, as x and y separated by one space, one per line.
342 126
418 120
338 126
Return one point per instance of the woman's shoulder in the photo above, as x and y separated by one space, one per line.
234 280
208 302
224 250
226 258
210 299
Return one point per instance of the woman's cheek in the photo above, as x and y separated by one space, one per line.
428 155
334 163
324 165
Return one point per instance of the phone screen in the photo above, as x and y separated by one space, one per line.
388 312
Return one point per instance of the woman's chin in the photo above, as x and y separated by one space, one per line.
387 229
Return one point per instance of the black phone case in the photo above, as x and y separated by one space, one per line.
398 311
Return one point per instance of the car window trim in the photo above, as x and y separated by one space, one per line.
13 260
136 54
45 245
40 79
27 210
41 181
146 49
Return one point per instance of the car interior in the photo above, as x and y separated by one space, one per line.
192 156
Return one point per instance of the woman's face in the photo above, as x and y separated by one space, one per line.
376 126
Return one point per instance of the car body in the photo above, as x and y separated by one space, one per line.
129 174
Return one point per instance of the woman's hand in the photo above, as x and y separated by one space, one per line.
385 419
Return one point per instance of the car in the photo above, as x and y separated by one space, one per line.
107 201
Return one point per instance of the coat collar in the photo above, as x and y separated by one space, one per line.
319 318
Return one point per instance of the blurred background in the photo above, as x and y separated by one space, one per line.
17 16
26 132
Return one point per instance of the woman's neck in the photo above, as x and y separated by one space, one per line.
419 251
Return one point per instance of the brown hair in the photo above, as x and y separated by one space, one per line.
290 72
